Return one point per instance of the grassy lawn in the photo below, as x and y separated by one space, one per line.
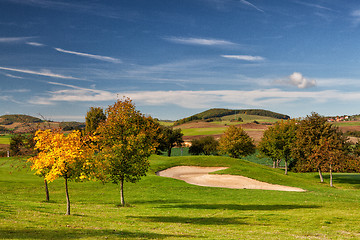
5 139
164 208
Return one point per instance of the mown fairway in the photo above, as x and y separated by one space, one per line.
163 208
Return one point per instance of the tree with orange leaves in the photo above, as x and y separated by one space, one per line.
127 138
66 156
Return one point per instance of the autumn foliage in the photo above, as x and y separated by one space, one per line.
127 138
60 155
236 142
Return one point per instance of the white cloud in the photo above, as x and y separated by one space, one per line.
44 72
200 41
251 5
14 39
298 80
317 6
65 118
245 57
98 57
13 76
196 99
355 17
35 44
73 94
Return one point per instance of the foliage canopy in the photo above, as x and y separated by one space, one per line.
127 139
236 142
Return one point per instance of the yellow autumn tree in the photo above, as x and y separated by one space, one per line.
126 139
60 155
236 142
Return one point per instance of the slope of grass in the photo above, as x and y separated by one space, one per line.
203 131
249 118
164 208
5 139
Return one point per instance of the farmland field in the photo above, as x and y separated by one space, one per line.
5 139
164 208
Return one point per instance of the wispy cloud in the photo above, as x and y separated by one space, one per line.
298 80
195 99
98 57
255 98
44 72
200 41
73 93
244 57
355 17
13 76
314 5
14 39
251 5
88 7
35 44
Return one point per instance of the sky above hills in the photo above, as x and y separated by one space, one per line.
175 58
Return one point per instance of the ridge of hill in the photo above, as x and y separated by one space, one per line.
20 123
19 118
214 113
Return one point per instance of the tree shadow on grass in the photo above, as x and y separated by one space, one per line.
351 179
242 207
158 201
80 233
193 220
343 178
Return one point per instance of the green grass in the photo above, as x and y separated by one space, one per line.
203 131
164 208
166 123
250 118
5 139
345 123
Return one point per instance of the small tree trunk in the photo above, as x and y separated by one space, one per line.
274 162
46 191
122 192
286 168
320 175
331 177
169 152
67 198
278 163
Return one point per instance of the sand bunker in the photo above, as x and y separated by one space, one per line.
199 176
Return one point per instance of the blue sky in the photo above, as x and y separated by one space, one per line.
175 58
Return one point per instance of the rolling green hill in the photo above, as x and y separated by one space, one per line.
217 113
12 118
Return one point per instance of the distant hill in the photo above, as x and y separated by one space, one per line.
19 123
18 118
215 113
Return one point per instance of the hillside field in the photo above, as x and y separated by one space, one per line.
165 208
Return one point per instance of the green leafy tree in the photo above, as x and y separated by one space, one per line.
205 145
127 139
310 134
277 142
16 144
236 142
93 118
169 138
328 156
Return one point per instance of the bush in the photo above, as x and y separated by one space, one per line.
205 145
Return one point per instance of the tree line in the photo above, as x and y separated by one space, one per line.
116 144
